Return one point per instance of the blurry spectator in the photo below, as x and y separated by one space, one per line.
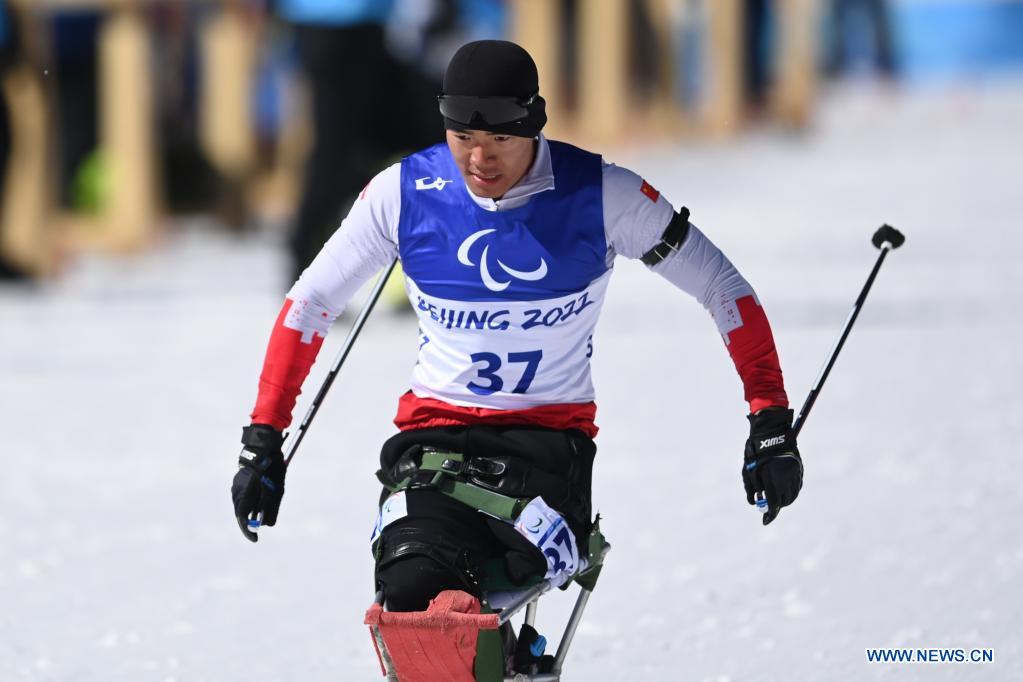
645 68
757 55
75 58
853 22
427 33
189 181
270 107
361 111
342 53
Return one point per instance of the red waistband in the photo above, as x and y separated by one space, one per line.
415 412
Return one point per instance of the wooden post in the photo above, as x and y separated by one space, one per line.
603 88
536 26
724 104
126 128
24 236
792 98
228 57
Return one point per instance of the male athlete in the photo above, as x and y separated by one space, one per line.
507 242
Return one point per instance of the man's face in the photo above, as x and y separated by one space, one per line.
490 163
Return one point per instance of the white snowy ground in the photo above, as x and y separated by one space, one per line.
124 386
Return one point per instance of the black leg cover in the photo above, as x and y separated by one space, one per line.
410 582
443 544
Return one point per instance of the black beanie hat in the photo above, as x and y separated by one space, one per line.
496 68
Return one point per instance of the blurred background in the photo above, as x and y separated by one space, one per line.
123 120
168 167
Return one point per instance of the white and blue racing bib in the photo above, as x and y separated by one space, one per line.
507 300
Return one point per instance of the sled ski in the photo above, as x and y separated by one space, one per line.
461 639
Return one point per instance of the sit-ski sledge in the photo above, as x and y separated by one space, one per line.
461 639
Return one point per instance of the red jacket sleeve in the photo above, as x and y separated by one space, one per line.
295 341
751 346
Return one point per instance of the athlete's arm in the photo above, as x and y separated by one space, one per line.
635 217
365 242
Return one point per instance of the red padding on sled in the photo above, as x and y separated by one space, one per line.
436 645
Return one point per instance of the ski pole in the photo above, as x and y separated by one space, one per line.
886 238
353 333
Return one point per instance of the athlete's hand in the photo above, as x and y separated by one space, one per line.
772 465
259 484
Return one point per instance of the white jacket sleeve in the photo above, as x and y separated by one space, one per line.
366 241
635 217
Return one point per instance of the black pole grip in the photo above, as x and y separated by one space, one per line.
887 233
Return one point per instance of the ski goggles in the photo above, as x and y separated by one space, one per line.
493 110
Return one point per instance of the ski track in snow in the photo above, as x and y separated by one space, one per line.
126 383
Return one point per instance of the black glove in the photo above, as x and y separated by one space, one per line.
259 484
772 464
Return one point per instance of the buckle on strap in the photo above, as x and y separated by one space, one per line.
451 466
485 467
671 240
442 470
442 461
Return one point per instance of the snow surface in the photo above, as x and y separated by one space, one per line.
124 387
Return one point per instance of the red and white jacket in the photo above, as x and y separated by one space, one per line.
635 217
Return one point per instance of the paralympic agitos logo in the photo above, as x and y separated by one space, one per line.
489 281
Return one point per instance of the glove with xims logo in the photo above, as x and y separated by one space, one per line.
772 464
259 484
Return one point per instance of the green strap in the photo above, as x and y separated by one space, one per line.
497 505
434 460
447 466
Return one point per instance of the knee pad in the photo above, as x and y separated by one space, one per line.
414 564
410 582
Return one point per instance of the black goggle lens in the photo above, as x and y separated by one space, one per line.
493 110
